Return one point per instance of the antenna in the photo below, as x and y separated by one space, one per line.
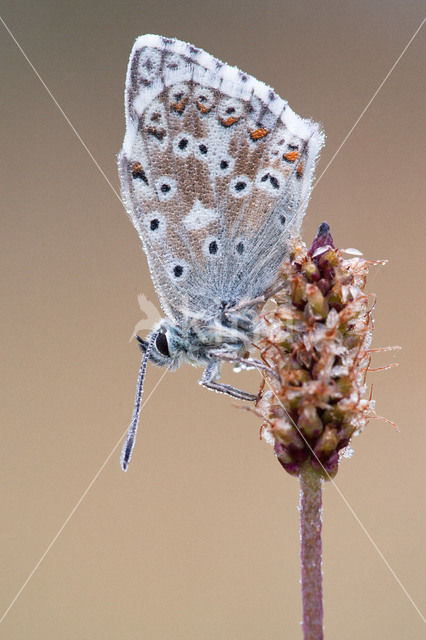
127 450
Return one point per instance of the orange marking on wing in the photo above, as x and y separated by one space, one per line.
202 107
291 156
138 172
259 133
229 121
179 106
299 170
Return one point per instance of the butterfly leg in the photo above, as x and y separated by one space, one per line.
269 293
208 380
246 363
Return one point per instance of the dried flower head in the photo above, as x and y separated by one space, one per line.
315 343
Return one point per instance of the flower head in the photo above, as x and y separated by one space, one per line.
315 342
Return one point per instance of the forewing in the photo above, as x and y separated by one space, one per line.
216 171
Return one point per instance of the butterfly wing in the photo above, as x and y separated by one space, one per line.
216 171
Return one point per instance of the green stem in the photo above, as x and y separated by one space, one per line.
310 555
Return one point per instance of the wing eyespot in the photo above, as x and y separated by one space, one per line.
225 165
204 100
166 188
270 181
138 173
178 271
183 144
213 247
155 226
230 111
240 186
179 95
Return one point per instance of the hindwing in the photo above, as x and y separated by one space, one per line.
216 171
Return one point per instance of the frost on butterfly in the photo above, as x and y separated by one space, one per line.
216 171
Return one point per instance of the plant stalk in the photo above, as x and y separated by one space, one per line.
311 552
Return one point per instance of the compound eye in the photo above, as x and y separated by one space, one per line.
162 345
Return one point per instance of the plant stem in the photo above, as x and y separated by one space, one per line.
310 554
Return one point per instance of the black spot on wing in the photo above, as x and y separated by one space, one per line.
177 271
213 247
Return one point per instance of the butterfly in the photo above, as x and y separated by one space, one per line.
216 171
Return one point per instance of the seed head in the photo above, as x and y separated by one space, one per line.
315 342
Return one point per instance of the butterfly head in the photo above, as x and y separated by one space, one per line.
199 341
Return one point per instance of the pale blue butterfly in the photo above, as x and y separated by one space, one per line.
216 171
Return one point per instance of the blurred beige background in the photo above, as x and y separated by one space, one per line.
200 538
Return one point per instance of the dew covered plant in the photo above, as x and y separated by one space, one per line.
315 338
316 344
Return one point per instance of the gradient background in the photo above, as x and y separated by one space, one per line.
200 538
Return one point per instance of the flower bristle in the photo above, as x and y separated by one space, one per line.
315 342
